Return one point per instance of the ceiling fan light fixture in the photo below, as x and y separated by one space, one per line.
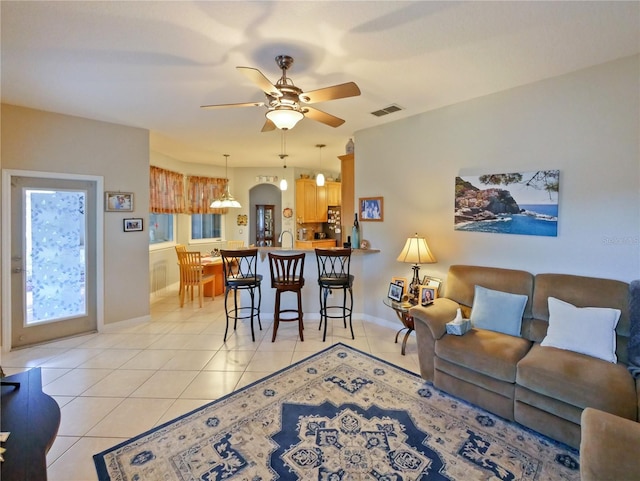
284 119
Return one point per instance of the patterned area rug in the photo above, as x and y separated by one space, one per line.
338 415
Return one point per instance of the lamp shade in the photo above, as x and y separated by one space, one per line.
284 119
416 251
226 200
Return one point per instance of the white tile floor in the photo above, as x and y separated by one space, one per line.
115 385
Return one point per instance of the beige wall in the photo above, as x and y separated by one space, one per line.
43 141
586 124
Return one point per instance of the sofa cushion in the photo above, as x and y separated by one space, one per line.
498 311
587 330
578 380
487 352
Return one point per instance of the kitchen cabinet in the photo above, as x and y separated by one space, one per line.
311 201
312 244
334 193
347 171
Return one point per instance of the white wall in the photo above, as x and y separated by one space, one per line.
586 124
44 141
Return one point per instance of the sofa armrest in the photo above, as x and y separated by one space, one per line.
436 315
608 447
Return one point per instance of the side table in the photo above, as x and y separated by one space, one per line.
402 311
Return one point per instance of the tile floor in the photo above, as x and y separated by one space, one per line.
112 386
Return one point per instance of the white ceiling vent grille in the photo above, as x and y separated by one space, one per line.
387 110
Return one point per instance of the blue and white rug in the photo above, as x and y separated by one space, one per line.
338 415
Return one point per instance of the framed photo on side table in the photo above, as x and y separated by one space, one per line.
427 295
395 292
401 281
432 282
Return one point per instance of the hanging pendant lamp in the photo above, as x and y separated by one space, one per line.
226 200
320 176
283 156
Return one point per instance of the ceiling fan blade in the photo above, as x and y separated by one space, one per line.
224 106
349 89
268 126
260 80
325 118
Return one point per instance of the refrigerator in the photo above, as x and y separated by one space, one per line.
334 221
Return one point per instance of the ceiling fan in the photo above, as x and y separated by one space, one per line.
288 104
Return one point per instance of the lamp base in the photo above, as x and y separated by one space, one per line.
414 287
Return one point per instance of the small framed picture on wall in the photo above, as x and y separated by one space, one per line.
371 209
132 225
118 201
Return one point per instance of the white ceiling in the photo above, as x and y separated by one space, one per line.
152 64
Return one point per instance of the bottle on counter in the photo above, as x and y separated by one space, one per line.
355 234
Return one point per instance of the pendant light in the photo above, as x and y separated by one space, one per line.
283 181
320 176
283 156
226 200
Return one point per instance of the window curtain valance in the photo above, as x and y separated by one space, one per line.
201 192
166 190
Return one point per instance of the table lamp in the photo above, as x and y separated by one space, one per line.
416 252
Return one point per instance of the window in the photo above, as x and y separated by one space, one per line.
206 226
161 228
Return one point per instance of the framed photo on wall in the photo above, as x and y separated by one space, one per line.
118 201
132 225
371 209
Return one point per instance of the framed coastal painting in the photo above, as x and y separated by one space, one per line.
524 203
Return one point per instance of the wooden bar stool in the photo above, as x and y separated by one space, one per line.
240 273
334 273
287 275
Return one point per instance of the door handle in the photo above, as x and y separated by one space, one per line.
17 270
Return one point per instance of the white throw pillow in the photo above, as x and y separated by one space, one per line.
587 330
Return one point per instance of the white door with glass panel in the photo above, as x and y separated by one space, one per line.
53 259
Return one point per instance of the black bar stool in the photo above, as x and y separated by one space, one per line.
334 273
240 273
287 275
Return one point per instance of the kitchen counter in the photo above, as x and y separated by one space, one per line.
312 244
262 251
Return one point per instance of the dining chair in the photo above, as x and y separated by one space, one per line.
180 248
240 274
334 273
287 275
192 275
235 244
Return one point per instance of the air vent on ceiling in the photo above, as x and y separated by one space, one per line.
387 110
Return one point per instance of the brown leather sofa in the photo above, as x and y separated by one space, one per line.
541 387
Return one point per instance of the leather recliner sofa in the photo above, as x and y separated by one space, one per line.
541 387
